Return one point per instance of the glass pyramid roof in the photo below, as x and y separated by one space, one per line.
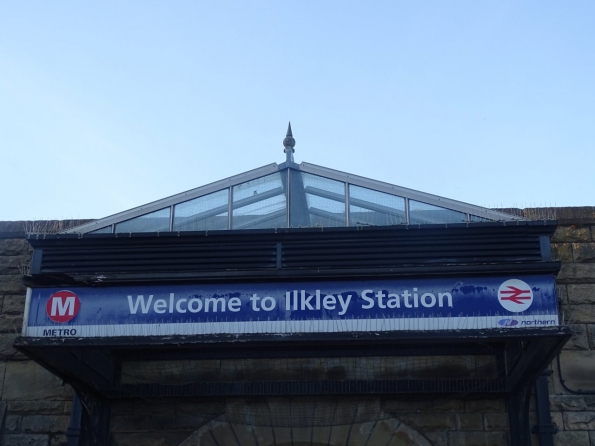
289 195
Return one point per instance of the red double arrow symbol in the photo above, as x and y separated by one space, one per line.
516 295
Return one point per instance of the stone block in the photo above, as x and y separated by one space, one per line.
13 247
558 421
469 421
581 294
579 339
14 304
562 252
37 424
495 421
25 440
431 421
583 252
575 438
130 423
577 368
36 407
10 324
26 380
406 435
6 347
562 294
437 438
58 440
579 314
12 264
572 233
579 420
12 284
147 439
478 438
576 273
592 435
568 403
450 405
12 424
591 335
485 405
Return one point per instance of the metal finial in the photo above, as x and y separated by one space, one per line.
289 143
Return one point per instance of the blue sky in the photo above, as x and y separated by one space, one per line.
105 106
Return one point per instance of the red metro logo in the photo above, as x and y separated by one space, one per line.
515 295
63 306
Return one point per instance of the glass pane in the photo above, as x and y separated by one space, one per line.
157 221
203 213
106 230
477 218
370 207
423 213
260 203
316 201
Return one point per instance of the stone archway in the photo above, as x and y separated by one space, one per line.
388 431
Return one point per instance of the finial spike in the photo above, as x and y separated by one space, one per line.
289 144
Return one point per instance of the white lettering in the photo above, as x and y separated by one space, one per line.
424 301
255 300
60 307
394 301
306 302
179 306
160 306
344 304
234 304
191 303
368 299
441 297
140 300
329 302
380 295
270 306
215 301
406 295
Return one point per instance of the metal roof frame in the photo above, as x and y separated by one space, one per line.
408 194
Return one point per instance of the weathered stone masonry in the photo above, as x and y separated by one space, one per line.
35 406
574 245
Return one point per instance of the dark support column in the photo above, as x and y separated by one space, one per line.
518 415
96 420
73 433
545 429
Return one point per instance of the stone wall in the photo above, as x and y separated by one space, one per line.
34 404
573 400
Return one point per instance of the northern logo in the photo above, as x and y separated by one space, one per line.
508 322
515 295
63 306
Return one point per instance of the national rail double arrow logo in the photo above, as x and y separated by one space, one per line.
515 295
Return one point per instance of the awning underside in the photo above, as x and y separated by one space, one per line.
474 361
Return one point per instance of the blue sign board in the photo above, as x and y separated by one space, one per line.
293 307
